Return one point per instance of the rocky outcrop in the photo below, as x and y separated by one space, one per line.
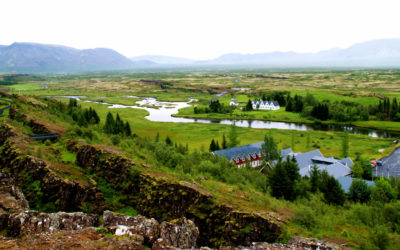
12 200
148 228
88 239
297 243
164 199
33 222
36 127
67 195
180 233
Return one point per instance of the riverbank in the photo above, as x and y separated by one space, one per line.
288 117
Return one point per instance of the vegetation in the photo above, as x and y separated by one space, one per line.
315 206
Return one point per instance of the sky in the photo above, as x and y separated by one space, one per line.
200 29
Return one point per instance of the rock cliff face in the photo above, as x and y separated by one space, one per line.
66 195
33 222
12 200
163 199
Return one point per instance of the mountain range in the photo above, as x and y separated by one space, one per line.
41 58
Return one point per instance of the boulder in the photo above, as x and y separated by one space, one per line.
33 222
119 223
181 233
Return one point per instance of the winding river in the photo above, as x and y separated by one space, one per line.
163 111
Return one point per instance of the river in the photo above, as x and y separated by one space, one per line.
163 111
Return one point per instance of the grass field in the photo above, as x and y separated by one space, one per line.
199 136
22 87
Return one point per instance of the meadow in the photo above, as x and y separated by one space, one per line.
371 225
364 87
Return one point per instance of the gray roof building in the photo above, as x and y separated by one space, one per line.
390 165
346 182
305 161
240 151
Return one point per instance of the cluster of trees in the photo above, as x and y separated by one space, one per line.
388 110
214 107
279 96
117 125
342 111
83 117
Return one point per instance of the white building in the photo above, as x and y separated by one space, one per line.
234 102
266 105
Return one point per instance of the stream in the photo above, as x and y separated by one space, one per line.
163 111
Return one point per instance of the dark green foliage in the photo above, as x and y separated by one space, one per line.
83 117
321 111
117 126
214 107
249 106
224 143
359 191
283 178
212 145
168 141
330 187
327 185
109 125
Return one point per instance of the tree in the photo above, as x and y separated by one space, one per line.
233 137
109 126
157 137
283 179
330 187
359 191
212 146
249 106
127 129
345 144
217 147
224 143
270 149
168 141
315 178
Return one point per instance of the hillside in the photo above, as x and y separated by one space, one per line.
42 58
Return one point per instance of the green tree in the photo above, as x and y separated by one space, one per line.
283 179
212 146
168 141
315 178
224 143
157 137
249 106
345 144
359 191
270 149
127 129
109 126
330 187
233 137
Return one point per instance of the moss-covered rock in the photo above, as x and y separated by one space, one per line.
42 185
164 199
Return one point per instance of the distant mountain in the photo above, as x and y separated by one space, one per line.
42 58
164 59
377 53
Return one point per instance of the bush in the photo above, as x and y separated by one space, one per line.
305 217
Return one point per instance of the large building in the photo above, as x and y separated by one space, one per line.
251 154
266 105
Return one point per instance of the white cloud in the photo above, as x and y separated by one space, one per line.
198 29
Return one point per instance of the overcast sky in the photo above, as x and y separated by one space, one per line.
199 29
